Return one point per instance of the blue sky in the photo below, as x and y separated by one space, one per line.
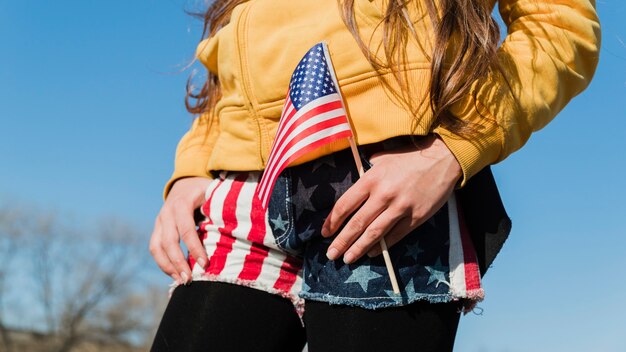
91 110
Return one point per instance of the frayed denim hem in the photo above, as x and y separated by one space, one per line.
377 302
374 303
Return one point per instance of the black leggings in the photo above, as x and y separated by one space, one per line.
420 326
213 316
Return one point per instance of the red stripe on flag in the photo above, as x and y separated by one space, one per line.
229 215
281 126
288 273
288 104
291 131
277 165
279 143
324 125
258 252
333 105
308 148
472 273
317 144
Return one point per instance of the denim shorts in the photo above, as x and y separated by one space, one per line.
434 262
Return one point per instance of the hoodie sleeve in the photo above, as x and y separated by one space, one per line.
548 56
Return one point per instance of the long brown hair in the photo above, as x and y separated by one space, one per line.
465 43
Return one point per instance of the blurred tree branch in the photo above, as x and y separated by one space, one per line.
87 279
12 227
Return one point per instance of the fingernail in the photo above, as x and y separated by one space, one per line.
201 262
348 258
332 254
184 277
324 231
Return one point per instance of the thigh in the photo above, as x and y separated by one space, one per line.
215 316
420 326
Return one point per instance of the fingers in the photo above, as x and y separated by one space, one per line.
393 236
176 221
355 227
159 255
347 204
186 227
170 242
372 235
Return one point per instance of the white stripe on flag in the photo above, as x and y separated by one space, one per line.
274 166
310 122
286 122
308 107
325 133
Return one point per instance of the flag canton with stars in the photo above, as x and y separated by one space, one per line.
312 78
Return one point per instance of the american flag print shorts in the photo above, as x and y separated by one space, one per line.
435 262
239 242
281 251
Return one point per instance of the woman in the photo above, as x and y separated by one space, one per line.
433 98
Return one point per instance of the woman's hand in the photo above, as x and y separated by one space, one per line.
401 191
175 221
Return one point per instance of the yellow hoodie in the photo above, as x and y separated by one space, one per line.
549 56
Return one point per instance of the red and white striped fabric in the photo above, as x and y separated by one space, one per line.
239 241
464 270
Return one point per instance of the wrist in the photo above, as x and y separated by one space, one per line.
435 147
191 186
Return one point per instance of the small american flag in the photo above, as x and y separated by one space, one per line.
313 115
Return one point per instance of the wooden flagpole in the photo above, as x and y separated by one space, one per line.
359 166
383 244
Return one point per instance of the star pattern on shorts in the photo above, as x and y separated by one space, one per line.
279 223
409 291
414 249
324 161
304 195
437 273
307 233
420 259
342 185
362 275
